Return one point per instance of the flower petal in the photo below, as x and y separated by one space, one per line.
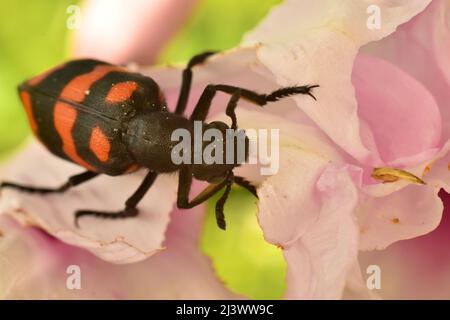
301 200
119 241
286 201
294 138
417 268
319 261
407 213
180 272
402 114
420 47
308 47
356 286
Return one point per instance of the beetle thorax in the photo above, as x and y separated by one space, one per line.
149 139
163 142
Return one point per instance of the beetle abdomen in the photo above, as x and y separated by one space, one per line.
79 110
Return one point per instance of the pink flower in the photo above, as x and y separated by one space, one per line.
376 108
387 119
418 49
417 268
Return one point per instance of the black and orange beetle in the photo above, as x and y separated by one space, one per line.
112 121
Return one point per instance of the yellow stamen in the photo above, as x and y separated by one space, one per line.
426 170
388 175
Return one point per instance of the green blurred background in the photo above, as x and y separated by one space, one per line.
32 39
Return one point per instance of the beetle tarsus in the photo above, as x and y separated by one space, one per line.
290 91
29 189
201 110
127 213
220 217
71 182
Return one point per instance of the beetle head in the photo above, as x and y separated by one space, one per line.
223 149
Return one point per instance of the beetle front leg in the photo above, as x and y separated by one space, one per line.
201 110
71 182
130 205
184 187
220 217
240 181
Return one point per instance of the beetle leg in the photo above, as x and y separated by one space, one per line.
187 80
201 110
231 108
246 185
130 205
184 186
71 182
220 217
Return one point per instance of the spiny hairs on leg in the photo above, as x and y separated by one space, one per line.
246 185
289 91
127 213
73 181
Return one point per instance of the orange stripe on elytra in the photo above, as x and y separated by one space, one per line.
77 89
64 116
26 100
99 144
121 91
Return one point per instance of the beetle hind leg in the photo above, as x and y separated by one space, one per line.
126 213
130 205
71 182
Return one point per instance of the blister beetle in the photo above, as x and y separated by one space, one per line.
112 121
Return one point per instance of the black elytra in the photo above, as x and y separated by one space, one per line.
112 121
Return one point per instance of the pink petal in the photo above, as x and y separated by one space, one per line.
402 114
120 32
407 213
356 286
319 48
287 206
179 272
397 211
439 175
417 268
294 139
319 261
420 47
300 207
125 241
